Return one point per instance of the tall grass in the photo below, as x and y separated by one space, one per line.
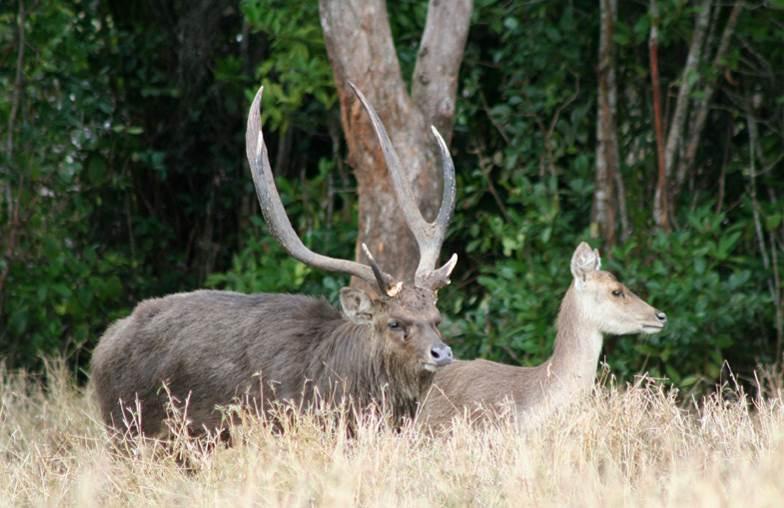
622 446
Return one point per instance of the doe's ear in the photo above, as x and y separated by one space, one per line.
584 261
356 305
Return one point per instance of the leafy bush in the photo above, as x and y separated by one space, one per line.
262 265
128 162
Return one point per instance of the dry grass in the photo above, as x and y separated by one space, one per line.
634 446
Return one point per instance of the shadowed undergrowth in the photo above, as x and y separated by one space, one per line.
633 445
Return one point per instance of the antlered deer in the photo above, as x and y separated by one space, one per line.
210 347
595 304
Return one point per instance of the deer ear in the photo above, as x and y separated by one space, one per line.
584 261
356 305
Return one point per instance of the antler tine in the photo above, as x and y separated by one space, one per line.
429 236
386 288
275 214
441 223
426 274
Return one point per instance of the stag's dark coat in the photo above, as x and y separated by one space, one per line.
210 347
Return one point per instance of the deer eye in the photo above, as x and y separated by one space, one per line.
617 292
394 325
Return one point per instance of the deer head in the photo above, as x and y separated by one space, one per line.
402 315
606 303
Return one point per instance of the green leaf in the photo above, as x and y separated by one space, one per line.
773 220
96 169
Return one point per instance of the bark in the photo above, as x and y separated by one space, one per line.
660 214
607 170
438 62
360 48
686 164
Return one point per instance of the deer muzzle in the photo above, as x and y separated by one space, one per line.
440 355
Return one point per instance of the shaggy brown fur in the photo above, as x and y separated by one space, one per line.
212 347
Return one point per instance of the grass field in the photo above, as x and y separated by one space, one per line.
622 446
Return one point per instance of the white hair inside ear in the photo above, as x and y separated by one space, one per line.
584 261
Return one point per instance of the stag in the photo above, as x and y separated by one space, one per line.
209 348
595 304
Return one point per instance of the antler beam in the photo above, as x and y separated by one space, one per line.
429 235
275 214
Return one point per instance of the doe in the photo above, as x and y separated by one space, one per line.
595 304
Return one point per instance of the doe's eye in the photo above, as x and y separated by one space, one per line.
617 292
394 325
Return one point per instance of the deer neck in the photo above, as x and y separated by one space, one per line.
364 369
578 344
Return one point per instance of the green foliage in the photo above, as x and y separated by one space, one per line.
127 165
526 203
296 67
712 292
262 265
60 285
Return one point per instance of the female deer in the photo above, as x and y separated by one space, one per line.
595 304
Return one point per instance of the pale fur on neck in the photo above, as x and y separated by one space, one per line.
571 369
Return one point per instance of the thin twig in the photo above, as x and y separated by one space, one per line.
485 167
486 109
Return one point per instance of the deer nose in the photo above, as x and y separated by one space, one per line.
661 316
441 354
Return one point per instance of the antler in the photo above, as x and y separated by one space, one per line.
429 235
278 221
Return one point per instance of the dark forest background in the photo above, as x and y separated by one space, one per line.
123 174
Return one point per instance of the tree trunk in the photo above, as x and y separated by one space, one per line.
607 171
360 48
686 81
660 201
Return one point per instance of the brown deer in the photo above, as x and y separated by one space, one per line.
595 304
212 347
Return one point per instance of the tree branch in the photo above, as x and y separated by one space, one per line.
693 59
686 164
438 62
360 48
